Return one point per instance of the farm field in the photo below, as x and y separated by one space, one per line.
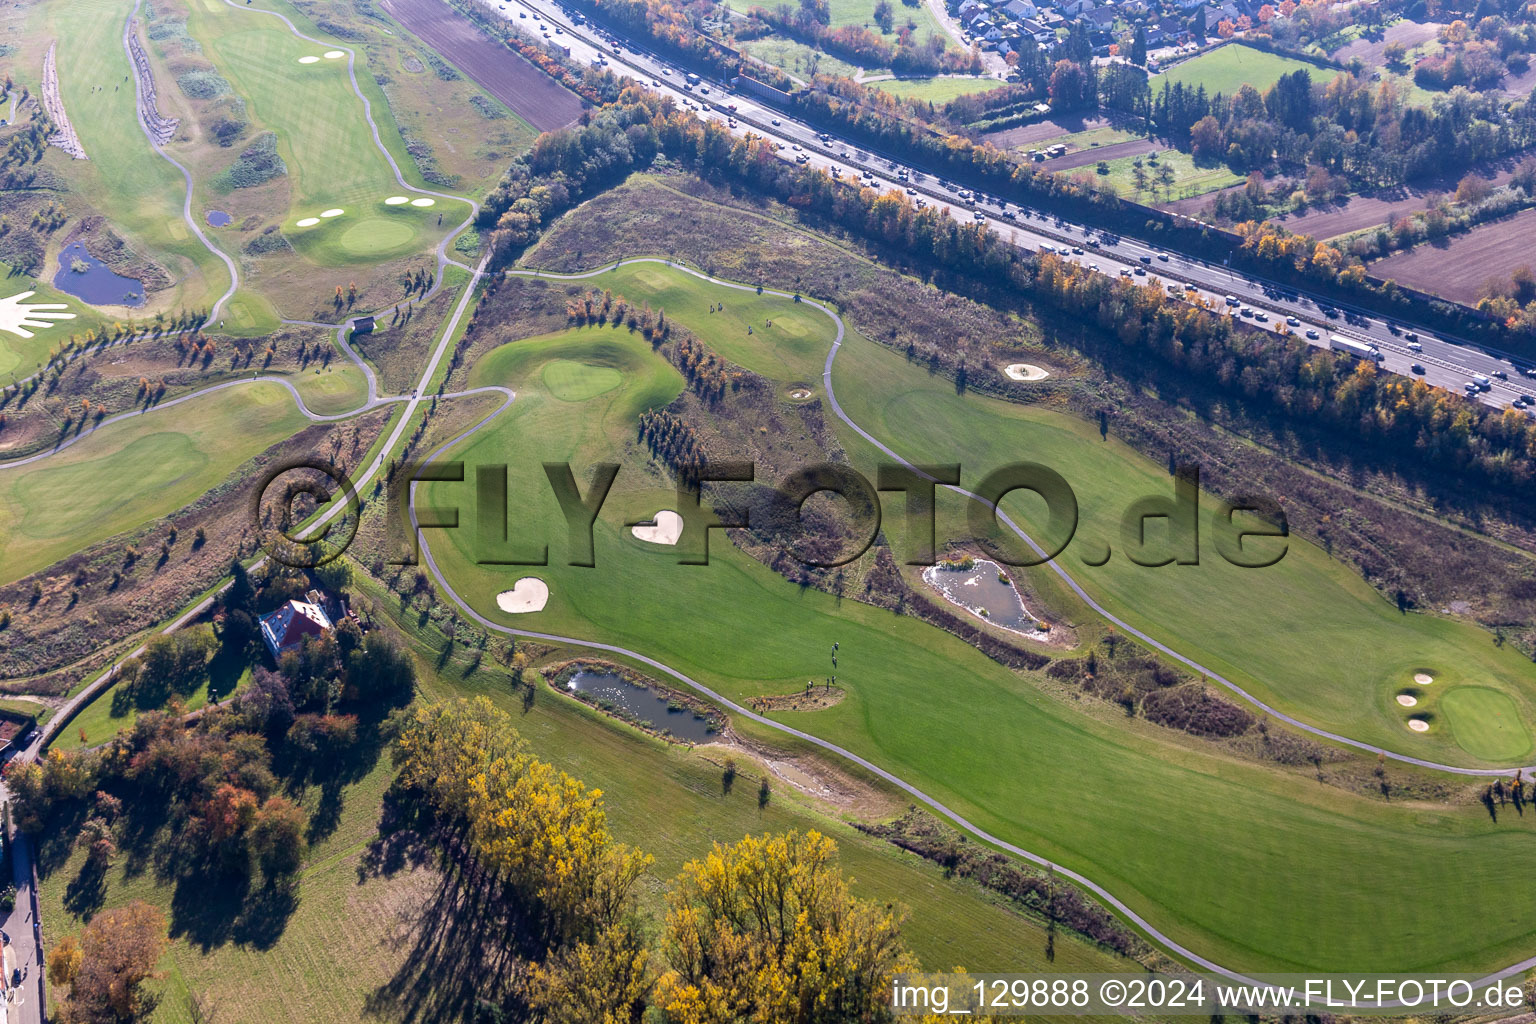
1459 269
134 471
1144 839
1359 212
937 90
523 88
1227 69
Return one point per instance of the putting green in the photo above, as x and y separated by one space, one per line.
374 235
571 381
133 472
1485 723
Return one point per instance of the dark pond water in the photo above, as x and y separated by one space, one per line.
646 704
218 218
978 589
98 283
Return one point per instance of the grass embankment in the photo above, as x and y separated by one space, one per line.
125 176
1250 865
132 472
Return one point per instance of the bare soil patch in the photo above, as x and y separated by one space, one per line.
527 91
1039 131
1458 269
814 699
1409 33
1330 220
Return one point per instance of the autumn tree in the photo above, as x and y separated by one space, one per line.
117 953
766 931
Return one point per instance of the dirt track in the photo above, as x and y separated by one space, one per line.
527 91
1458 270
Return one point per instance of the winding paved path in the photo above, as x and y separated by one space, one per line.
186 203
943 809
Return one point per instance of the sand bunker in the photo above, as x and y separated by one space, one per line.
334 211
800 394
665 529
1423 678
397 200
528 594
309 222
1025 371
1418 725
333 54
309 60
423 201
1407 700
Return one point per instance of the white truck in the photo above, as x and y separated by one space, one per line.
1349 346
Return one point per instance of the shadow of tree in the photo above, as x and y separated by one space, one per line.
87 891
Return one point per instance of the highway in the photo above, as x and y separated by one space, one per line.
1443 361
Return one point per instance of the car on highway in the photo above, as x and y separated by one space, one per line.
911 191
1145 259
775 122
1412 336
1530 371
1077 250
1471 388
1501 375
1247 312
1312 335
1417 369
1261 316
1232 300
1141 271
1162 257
1292 321
978 215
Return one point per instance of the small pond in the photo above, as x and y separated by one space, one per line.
644 703
86 277
980 589
218 218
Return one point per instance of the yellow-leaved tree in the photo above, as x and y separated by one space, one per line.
766 932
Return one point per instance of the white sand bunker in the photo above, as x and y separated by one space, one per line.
1423 678
334 211
309 222
397 200
309 60
1418 725
1407 700
800 394
528 594
423 201
333 54
1025 371
666 528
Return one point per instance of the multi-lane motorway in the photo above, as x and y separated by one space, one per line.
1440 360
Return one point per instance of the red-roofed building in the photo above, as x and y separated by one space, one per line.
286 628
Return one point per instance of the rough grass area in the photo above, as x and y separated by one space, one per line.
937 91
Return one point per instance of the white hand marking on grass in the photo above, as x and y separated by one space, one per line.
16 316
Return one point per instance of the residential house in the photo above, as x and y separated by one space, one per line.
287 627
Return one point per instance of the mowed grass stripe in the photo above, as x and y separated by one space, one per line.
133 472
1252 866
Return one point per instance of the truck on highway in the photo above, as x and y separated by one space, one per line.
1482 382
1349 346
692 79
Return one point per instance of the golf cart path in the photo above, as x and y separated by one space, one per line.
186 203
896 780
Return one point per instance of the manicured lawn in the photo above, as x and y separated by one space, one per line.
22 357
1227 69
1189 179
323 139
99 721
1252 866
571 381
132 472
1486 722
124 177
937 90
